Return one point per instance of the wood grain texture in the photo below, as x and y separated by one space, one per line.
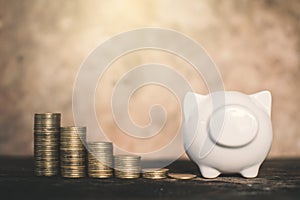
278 179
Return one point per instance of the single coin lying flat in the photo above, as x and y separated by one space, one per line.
182 176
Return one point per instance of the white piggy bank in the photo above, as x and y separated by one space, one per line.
230 137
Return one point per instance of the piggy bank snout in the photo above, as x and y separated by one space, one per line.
233 126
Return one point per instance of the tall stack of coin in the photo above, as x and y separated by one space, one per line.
127 166
72 152
46 143
155 173
100 159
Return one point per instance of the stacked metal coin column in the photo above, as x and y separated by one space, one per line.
46 144
155 173
127 166
72 152
100 159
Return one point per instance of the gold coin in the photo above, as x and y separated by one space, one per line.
154 170
155 173
182 176
46 143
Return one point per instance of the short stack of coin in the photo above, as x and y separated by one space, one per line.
100 159
182 176
46 143
127 166
155 173
72 152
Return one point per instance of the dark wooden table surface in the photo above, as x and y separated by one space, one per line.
278 179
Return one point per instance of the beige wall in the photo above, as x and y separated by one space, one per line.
255 44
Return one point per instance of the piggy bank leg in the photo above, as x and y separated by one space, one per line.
209 172
250 172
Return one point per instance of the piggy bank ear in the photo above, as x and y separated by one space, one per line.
190 104
264 98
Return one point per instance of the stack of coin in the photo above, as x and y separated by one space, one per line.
155 173
127 166
46 144
100 159
72 152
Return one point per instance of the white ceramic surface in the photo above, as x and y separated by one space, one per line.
230 135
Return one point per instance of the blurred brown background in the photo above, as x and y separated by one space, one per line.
255 44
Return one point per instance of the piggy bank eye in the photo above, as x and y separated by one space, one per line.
239 126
